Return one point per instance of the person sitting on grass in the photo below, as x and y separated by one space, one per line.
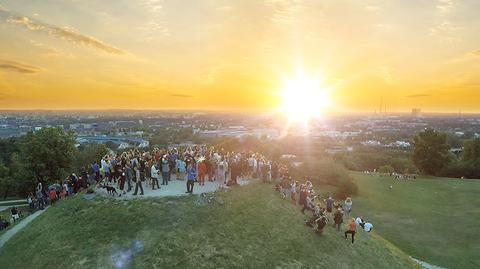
359 221
321 223
15 215
367 226
351 227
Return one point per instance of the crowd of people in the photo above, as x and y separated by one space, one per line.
323 210
133 170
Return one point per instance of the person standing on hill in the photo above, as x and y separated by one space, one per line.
330 202
190 178
138 181
202 171
154 175
128 176
338 219
222 167
181 169
351 230
348 206
165 168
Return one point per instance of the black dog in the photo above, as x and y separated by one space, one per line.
110 190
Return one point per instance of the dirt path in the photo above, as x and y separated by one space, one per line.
12 231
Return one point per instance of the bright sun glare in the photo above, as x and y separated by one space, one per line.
304 98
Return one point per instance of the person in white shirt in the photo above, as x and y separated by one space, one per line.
359 221
367 226
154 176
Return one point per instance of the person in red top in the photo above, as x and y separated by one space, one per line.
202 170
53 195
351 230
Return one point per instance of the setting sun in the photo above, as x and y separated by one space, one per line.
304 97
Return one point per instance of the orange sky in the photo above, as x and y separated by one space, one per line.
224 55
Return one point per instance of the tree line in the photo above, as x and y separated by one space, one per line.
48 155
432 156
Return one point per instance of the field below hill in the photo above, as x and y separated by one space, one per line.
432 219
250 227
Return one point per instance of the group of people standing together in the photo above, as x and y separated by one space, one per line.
324 211
196 164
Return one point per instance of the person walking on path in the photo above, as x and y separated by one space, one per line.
351 230
190 178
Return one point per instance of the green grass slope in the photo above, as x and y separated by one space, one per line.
434 219
254 228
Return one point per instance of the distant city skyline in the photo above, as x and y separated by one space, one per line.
234 55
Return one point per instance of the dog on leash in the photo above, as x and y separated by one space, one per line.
111 190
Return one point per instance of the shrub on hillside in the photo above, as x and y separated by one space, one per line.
326 171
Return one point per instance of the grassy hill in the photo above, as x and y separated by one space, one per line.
253 228
434 219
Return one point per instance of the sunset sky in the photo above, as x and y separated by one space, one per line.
235 54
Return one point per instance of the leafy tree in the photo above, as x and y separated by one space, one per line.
4 179
7 148
46 154
470 158
471 152
87 154
430 151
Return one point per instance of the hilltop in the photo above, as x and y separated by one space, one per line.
245 227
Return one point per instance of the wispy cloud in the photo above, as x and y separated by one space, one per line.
476 52
64 33
18 67
153 5
445 6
